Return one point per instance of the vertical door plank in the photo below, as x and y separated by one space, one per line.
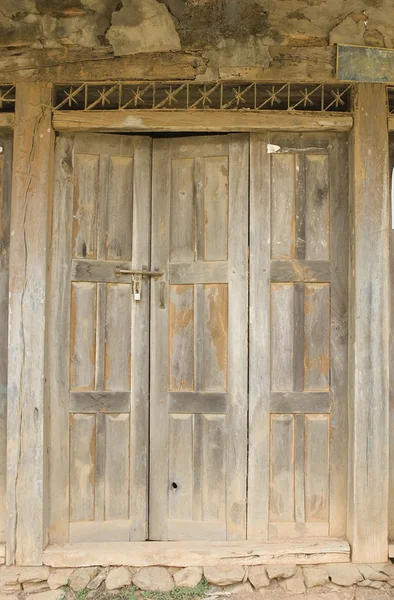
317 236
282 336
5 212
139 414
83 336
31 201
299 468
180 488
339 236
282 468
120 208
118 337
86 192
317 336
259 337
215 342
82 467
316 468
158 475
237 336
216 208
283 220
117 434
214 465
59 332
181 338
182 214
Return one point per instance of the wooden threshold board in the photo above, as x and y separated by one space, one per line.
191 554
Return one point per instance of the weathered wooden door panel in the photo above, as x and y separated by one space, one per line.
99 359
5 210
298 336
198 432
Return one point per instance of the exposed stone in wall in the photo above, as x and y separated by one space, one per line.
216 27
142 27
280 582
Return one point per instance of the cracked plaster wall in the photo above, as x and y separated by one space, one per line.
230 34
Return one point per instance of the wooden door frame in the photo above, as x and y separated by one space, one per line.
25 535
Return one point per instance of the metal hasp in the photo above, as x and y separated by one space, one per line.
136 278
119 272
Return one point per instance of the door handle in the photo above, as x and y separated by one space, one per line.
142 273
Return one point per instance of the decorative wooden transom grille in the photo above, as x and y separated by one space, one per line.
7 98
214 96
390 98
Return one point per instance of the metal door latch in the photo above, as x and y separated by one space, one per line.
136 278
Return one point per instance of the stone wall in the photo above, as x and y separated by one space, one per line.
275 582
247 35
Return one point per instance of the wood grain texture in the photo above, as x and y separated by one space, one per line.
5 215
194 553
201 121
369 331
304 349
200 477
259 338
108 335
31 192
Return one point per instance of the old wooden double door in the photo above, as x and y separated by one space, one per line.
214 406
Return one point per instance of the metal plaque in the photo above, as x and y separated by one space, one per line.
361 63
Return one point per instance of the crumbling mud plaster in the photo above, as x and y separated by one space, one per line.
235 38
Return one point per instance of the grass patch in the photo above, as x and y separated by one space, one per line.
180 593
81 594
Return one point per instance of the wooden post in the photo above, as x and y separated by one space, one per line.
33 151
369 328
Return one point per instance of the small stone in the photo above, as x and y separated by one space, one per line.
224 575
9 576
118 578
239 588
369 572
35 586
280 571
188 577
98 580
258 577
153 579
377 584
327 596
344 574
59 577
370 594
49 595
389 570
315 576
34 574
364 583
294 585
11 588
81 577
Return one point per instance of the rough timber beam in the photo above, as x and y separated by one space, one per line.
33 150
369 328
198 120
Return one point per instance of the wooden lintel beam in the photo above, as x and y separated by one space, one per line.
198 120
